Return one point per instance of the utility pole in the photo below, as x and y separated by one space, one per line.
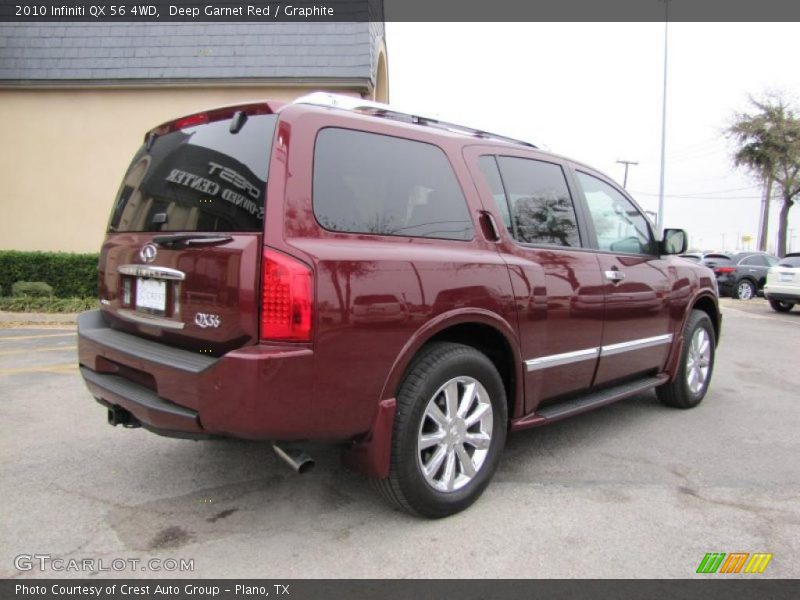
627 163
660 223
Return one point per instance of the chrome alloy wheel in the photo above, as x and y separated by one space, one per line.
454 434
745 290
698 360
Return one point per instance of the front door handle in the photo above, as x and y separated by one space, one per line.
615 276
489 226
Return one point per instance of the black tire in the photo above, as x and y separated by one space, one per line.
438 364
744 290
679 392
779 306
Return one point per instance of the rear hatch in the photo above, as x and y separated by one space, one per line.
786 272
181 259
719 263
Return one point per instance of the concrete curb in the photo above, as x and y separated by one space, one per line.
18 319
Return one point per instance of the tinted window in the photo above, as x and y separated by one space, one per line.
201 178
370 183
488 165
537 202
619 225
757 260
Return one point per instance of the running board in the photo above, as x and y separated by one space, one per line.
568 408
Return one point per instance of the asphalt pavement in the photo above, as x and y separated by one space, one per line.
631 490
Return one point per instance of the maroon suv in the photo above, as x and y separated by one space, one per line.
334 270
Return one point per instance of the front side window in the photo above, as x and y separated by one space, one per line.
533 198
619 225
378 184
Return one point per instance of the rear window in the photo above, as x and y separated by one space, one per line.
378 184
202 178
793 262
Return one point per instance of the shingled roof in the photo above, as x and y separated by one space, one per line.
109 53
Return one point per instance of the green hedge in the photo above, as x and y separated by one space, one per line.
31 288
48 305
70 275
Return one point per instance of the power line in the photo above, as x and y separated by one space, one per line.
704 194
749 187
696 197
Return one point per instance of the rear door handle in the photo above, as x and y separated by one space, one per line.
615 276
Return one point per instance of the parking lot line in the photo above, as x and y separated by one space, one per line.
35 337
764 317
48 349
64 368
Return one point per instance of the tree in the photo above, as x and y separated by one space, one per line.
768 141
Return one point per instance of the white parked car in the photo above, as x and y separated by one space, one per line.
783 283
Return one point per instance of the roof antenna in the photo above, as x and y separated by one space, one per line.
238 121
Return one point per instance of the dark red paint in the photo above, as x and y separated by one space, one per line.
340 386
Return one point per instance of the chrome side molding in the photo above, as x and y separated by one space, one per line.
556 360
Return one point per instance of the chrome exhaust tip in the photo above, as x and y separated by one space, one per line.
298 461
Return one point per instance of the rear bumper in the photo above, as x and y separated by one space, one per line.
257 392
784 293
781 297
724 285
146 408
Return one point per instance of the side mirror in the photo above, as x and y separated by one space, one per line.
674 242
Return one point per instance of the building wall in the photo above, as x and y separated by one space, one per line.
64 153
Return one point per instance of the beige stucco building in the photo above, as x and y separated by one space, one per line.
76 99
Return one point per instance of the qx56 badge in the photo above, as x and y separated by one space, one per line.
205 320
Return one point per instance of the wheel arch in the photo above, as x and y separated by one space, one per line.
707 302
708 305
483 330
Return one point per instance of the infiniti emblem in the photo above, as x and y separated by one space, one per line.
148 253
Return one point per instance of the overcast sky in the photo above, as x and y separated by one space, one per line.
592 91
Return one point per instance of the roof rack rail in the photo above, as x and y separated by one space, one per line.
377 109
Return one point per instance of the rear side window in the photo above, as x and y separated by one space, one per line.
757 260
533 199
378 184
201 178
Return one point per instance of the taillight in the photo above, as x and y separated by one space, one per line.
724 270
286 298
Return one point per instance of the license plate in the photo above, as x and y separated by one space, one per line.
151 295
786 277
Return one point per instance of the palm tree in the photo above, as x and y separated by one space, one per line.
769 145
756 153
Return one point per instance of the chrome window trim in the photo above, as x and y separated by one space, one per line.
557 360
152 271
